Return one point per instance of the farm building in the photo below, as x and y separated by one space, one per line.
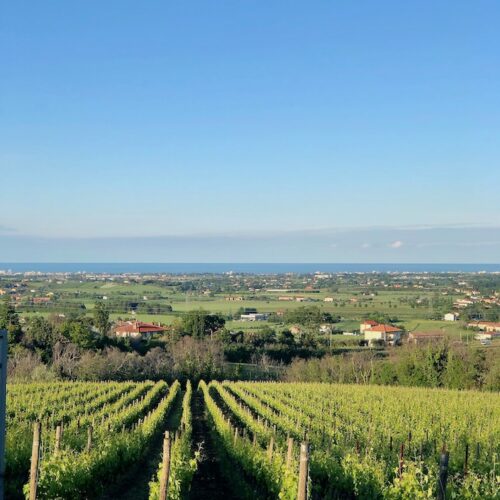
387 334
451 317
425 337
137 329
328 299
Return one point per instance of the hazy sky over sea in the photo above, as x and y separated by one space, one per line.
254 131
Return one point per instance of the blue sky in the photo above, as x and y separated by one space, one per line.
249 121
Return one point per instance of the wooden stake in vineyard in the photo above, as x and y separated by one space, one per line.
303 471
57 445
35 456
270 449
443 474
401 460
289 453
90 432
165 467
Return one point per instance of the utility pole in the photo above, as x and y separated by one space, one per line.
3 395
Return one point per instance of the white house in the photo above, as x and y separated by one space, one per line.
253 317
451 317
387 334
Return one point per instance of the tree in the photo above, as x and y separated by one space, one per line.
200 323
306 315
197 358
101 318
79 333
40 335
9 320
66 357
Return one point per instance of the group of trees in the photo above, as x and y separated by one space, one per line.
308 316
481 312
40 334
81 347
434 365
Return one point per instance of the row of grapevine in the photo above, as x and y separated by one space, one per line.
67 404
265 471
380 442
69 472
179 463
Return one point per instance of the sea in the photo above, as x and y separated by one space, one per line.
250 268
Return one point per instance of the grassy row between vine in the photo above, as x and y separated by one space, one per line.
265 472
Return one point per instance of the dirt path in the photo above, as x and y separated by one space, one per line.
208 482
136 485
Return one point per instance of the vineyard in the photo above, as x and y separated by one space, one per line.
70 440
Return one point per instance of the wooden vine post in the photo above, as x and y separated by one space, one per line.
401 460
289 453
270 448
90 432
165 467
303 471
35 456
3 401
57 445
443 474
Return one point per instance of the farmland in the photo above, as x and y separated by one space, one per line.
250 440
416 301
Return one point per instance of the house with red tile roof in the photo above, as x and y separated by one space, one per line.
488 326
137 329
386 334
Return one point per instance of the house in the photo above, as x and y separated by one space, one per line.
425 337
386 334
487 326
367 325
461 303
253 317
487 335
286 298
328 299
41 300
325 328
295 330
451 317
137 329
